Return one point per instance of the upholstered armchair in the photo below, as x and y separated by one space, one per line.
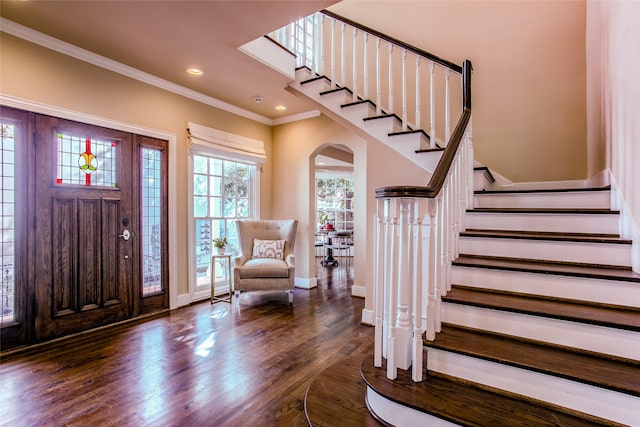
266 260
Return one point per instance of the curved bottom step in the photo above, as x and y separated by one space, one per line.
336 396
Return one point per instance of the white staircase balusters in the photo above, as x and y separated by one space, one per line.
447 107
343 62
378 88
354 67
390 88
365 66
432 106
404 89
418 112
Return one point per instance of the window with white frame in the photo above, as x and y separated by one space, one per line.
223 192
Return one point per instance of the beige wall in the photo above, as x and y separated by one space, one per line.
375 165
39 75
613 38
529 103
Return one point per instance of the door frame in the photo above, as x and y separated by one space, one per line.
90 119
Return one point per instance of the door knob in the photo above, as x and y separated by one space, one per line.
126 234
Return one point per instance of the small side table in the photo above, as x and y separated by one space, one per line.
229 277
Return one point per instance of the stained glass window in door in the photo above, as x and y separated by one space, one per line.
86 161
151 221
7 213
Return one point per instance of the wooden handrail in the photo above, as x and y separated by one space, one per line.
442 169
452 66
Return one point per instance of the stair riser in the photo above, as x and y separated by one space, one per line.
415 140
592 400
570 199
583 336
581 252
407 146
552 285
357 112
552 222
335 100
399 415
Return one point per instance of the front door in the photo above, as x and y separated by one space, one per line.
85 222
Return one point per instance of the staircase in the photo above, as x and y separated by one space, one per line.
533 312
541 325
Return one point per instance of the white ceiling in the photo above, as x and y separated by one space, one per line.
163 38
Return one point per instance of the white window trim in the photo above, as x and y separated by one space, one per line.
223 145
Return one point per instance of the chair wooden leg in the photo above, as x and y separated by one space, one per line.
290 293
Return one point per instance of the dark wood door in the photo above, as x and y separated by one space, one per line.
85 222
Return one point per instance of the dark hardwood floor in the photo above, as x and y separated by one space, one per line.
248 363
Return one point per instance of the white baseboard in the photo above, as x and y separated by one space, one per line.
628 228
306 283
367 317
358 291
184 300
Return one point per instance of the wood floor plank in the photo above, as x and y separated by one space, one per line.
248 363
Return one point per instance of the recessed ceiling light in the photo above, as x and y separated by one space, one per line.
195 71
281 108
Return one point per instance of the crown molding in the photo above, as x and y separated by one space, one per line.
296 117
68 49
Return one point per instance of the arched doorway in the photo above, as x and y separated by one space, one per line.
334 210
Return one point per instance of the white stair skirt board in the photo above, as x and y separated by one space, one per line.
599 339
550 250
563 199
553 222
604 291
608 404
400 415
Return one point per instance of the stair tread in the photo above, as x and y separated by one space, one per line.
585 211
588 368
467 403
543 190
547 235
338 391
577 311
549 267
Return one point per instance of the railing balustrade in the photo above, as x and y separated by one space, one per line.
417 227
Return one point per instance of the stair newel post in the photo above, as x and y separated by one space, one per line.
418 112
378 85
433 259
343 62
379 283
354 67
404 89
418 282
403 284
390 50
334 82
365 68
447 107
392 286
432 105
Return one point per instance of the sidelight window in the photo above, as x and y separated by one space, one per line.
7 213
151 217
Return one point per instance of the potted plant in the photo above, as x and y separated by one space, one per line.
220 244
